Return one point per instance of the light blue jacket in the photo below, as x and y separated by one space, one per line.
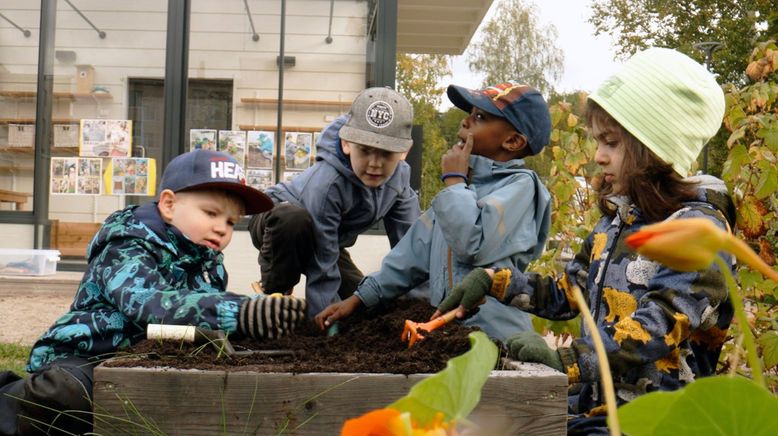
501 219
342 208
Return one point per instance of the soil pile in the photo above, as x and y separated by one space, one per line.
365 343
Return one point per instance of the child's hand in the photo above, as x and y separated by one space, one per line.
271 317
468 294
457 159
336 311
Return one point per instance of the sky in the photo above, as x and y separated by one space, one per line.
588 59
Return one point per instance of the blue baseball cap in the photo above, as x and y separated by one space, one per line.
209 169
522 106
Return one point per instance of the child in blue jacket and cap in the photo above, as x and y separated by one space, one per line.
359 178
159 263
493 210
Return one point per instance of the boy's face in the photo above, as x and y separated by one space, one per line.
372 166
205 217
489 132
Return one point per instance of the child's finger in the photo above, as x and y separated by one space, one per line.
468 147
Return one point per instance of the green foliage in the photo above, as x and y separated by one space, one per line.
636 25
513 46
13 357
454 391
751 173
723 405
417 79
567 168
769 343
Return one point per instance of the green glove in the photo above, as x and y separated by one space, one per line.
469 292
531 347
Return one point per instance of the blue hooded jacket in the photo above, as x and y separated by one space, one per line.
342 208
141 271
501 219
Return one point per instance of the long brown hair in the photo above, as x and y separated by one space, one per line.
650 183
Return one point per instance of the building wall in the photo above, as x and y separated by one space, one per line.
323 81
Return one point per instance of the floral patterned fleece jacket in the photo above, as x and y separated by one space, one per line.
141 271
661 328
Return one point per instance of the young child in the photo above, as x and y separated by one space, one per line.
359 178
160 263
661 328
492 212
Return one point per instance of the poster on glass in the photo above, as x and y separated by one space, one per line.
131 176
64 175
297 150
233 142
260 148
105 138
259 178
202 139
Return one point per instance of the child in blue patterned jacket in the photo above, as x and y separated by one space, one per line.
159 263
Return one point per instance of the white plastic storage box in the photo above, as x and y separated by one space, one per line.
27 262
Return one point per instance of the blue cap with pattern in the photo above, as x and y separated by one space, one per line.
208 169
522 106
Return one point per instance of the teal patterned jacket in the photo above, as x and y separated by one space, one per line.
661 328
140 271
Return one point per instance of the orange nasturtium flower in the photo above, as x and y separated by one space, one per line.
692 244
391 422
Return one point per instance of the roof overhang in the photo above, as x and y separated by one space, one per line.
438 26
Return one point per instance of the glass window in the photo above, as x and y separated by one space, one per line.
18 84
110 67
237 44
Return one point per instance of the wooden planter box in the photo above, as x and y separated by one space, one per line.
530 399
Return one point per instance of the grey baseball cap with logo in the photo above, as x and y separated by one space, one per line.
380 118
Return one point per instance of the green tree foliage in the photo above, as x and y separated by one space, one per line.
513 46
679 24
751 173
418 76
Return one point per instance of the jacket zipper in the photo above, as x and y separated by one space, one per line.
600 285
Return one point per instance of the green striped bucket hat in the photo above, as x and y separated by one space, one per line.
668 101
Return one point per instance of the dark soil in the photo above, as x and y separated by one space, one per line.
366 343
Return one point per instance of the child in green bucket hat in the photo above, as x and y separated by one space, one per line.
661 328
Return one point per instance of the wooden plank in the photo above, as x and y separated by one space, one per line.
57 95
313 103
19 199
272 128
198 402
72 239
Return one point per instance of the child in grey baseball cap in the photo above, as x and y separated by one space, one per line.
359 178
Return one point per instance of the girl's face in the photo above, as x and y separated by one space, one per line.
610 155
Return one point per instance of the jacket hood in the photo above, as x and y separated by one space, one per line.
144 222
713 190
710 190
483 169
330 150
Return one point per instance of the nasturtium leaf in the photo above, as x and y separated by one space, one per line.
769 343
721 405
454 391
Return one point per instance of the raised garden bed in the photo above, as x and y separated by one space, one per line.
186 390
